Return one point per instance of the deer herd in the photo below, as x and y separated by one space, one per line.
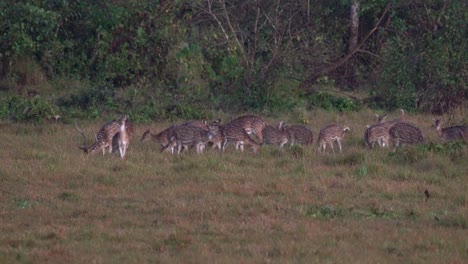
253 131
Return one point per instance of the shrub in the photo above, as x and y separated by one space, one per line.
330 102
34 109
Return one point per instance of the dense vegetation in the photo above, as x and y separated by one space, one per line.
163 59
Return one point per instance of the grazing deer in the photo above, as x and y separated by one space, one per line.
275 135
251 124
216 140
162 138
233 133
330 134
186 136
103 139
405 133
453 133
299 134
203 124
378 132
123 136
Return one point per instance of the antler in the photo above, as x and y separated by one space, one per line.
85 147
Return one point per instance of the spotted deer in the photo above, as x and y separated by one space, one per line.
103 139
215 140
378 132
233 132
162 138
186 136
453 133
251 124
299 134
123 136
405 133
275 135
330 134
128 131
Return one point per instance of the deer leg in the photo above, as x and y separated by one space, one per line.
225 143
179 147
125 150
241 146
385 142
121 150
331 146
283 143
379 142
322 147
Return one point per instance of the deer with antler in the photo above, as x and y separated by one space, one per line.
105 137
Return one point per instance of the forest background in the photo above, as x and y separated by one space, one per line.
159 60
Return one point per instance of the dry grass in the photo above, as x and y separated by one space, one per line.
59 205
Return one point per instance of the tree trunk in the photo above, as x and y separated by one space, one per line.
354 34
352 50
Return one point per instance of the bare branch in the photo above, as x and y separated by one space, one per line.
233 31
370 53
350 54
210 11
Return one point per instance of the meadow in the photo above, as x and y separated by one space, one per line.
292 206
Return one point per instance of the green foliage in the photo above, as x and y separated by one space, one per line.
34 109
186 111
201 57
425 60
192 73
327 101
27 29
453 149
90 101
146 113
397 88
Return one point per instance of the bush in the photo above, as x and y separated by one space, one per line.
330 102
34 109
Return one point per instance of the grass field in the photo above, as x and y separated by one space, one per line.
361 206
